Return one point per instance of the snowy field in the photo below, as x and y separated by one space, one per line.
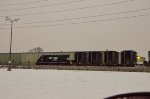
63 84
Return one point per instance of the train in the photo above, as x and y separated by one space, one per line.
91 58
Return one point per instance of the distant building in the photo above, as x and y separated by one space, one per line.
140 60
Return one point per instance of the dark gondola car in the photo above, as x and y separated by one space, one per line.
111 58
53 60
129 58
88 58
81 58
148 58
95 58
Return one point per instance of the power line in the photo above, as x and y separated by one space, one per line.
83 22
111 19
85 17
43 6
21 3
81 8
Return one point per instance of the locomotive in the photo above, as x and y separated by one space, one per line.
53 60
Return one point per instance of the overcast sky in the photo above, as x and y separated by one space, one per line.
76 25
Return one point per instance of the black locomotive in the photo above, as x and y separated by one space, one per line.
53 60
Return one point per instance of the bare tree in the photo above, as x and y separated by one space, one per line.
36 49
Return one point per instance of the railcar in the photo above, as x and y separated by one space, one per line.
129 58
53 60
111 58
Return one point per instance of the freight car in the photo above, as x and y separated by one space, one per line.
149 57
111 58
96 58
81 58
53 60
129 58
88 58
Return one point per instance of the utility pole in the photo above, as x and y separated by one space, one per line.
10 60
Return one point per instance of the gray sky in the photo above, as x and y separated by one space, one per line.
76 25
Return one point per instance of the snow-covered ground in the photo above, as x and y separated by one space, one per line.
63 84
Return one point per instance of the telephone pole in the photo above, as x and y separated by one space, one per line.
10 60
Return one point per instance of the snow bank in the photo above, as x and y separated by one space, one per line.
63 84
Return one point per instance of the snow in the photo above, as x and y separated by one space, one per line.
68 84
